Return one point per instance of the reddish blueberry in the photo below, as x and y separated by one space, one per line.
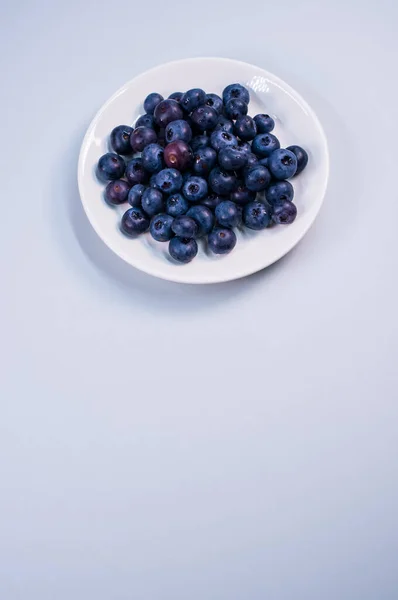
141 137
116 192
178 155
166 112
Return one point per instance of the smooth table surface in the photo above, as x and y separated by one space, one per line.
227 442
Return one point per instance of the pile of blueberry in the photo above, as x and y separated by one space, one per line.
197 166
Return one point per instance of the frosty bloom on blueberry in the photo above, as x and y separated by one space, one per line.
198 166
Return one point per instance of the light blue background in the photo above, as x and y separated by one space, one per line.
234 442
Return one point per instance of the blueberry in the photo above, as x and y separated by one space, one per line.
183 249
222 183
200 141
185 227
166 112
135 194
135 172
235 108
257 178
264 123
134 221
151 102
242 195
161 140
252 160
195 188
284 213
176 96
152 181
186 176
110 166
116 192
152 158
256 215
228 214
204 160
282 164
169 181
160 227
141 137
204 118
222 241
264 144
203 217
301 156
146 121
245 128
264 161
152 201
245 147
236 91
178 130
120 139
222 139
176 205
178 155
224 124
212 200
215 102
279 192
232 159
192 99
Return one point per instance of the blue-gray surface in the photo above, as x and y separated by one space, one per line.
233 442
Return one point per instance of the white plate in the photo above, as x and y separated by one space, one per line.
296 123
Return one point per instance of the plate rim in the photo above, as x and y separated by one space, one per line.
179 277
